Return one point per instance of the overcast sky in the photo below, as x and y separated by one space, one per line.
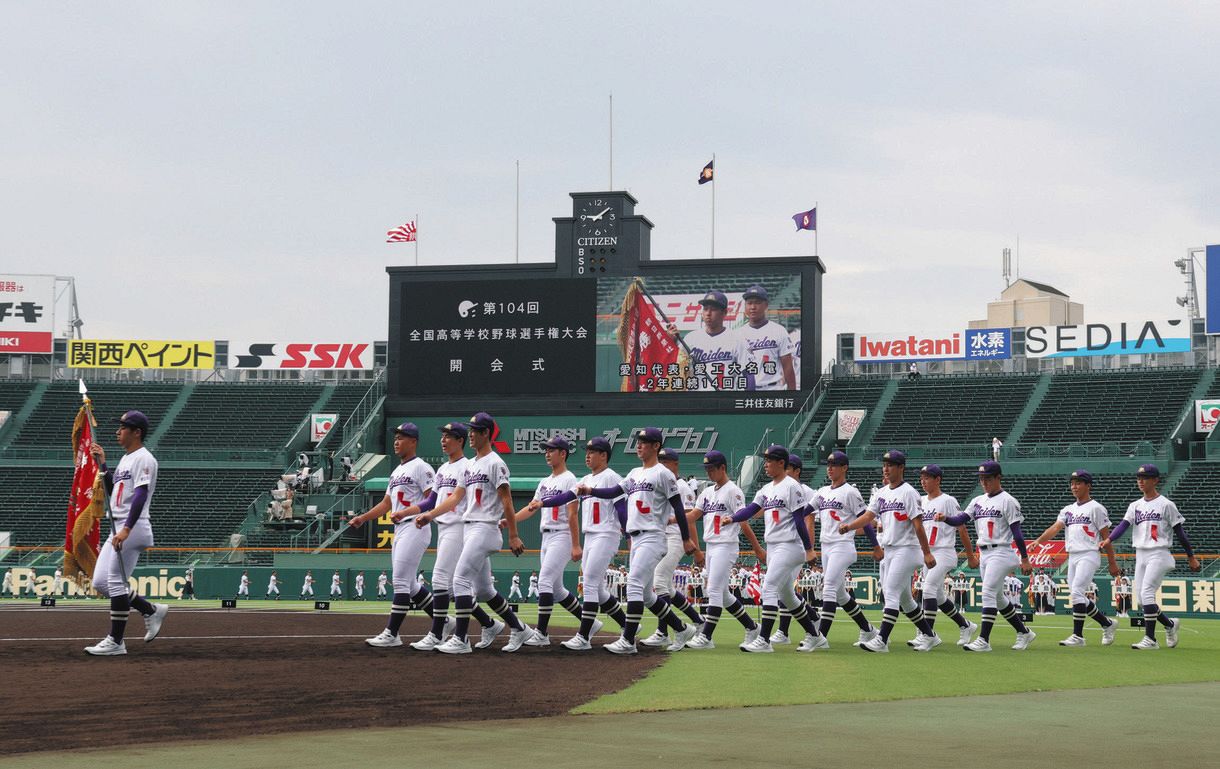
221 170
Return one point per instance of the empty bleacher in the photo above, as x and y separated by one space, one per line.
1120 407
50 423
1197 495
241 416
13 395
953 410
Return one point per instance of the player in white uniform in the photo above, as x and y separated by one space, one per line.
410 483
1012 590
131 486
514 588
560 529
652 497
997 525
602 521
667 576
783 506
896 507
721 498
57 586
1120 586
720 358
835 505
446 505
243 587
360 589
532 588
770 346
273 586
795 465
1087 523
489 502
1152 516
307 585
942 543
382 579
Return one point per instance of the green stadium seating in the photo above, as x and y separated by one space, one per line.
1197 495
50 424
246 416
953 410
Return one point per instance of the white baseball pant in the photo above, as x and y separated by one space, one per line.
719 559
663 579
553 557
273 590
946 559
896 578
243 590
595 559
1081 568
836 560
994 565
784 560
647 550
409 546
1151 566
473 574
112 570
448 550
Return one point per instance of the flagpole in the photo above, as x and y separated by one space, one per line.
713 205
417 240
611 187
517 237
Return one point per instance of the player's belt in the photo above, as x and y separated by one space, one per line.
991 547
635 533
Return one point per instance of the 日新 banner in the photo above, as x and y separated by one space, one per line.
27 314
141 354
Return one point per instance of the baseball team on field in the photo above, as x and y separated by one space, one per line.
469 500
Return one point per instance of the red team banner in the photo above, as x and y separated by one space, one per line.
85 505
643 340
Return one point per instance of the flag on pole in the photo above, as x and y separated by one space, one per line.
806 220
643 342
85 505
403 234
708 172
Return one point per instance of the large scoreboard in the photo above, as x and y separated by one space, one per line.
606 329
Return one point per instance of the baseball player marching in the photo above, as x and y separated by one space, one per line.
489 501
652 496
131 486
244 587
1152 516
307 585
410 483
273 586
602 523
997 521
664 579
942 543
1087 523
360 586
718 500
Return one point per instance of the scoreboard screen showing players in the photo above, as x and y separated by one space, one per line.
480 337
684 332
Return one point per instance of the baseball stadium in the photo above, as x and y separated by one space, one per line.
275 528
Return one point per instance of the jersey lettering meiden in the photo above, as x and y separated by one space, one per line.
993 517
1152 522
448 479
941 536
718 501
1082 525
554 518
648 491
778 500
895 508
138 468
597 516
409 485
483 478
834 506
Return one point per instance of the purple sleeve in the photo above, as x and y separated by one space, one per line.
606 492
1018 538
1180 530
802 531
871 535
957 519
138 500
1119 530
747 512
620 510
428 503
562 498
675 504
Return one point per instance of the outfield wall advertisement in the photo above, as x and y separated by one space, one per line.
27 314
1138 337
969 344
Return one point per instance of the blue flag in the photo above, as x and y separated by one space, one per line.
806 220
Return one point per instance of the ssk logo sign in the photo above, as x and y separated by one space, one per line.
347 356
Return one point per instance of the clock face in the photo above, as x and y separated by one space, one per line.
596 217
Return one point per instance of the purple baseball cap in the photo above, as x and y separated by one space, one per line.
481 421
894 457
756 292
599 443
409 429
1081 475
932 470
667 455
135 420
1148 471
558 442
649 434
794 460
713 458
457 429
838 458
776 451
990 468
716 298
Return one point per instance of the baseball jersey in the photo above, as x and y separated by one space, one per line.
834 506
941 536
687 494
1082 525
895 508
409 485
483 478
1152 520
713 355
308 579
448 478
717 501
359 580
533 582
516 580
272 581
767 346
554 518
648 491
137 468
381 580
993 517
334 580
778 500
245 581
597 515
